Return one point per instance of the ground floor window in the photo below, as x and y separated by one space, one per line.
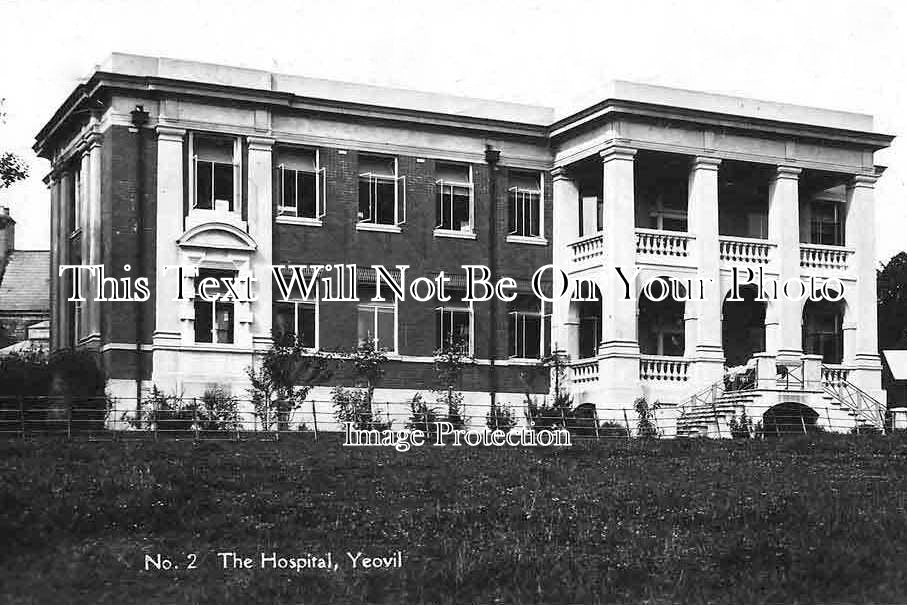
376 321
214 318
529 329
454 327
295 321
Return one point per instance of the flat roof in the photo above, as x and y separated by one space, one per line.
211 73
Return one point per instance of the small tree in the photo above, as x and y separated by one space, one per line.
356 405
282 381
557 413
217 410
645 418
450 362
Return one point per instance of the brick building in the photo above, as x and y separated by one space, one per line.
233 170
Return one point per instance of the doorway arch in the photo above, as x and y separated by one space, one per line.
788 418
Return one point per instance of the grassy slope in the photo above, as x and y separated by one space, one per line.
796 521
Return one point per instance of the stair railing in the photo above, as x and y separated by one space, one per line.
862 403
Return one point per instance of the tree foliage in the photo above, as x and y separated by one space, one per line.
12 168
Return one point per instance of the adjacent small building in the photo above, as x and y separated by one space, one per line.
24 287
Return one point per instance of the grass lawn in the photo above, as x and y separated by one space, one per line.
800 520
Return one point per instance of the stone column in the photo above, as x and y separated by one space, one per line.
168 228
53 184
860 236
619 350
92 232
708 355
784 230
260 214
565 227
61 317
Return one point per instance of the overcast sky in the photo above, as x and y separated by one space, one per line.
841 54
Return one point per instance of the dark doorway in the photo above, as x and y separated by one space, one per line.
789 419
742 327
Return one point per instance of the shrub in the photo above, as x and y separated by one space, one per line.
452 401
216 410
162 412
422 417
612 429
741 429
500 417
354 406
546 415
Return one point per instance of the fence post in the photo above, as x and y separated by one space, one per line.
315 419
595 420
21 402
195 416
627 422
715 415
803 423
69 420
495 412
563 419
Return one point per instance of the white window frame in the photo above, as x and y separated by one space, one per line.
237 171
399 192
296 302
468 308
292 212
513 236
213 305
375 306
545 324
440 184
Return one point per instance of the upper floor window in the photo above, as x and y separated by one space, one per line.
454 197
826 224
528 325
301 184
382 193
377 321
215 171
455 324
525 217
213 317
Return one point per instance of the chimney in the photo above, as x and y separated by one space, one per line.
7 236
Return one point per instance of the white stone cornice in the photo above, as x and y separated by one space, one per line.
867 181
260 143
617 152
560 173
702 162
788 172
168 133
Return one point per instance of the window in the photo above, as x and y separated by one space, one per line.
301 184
454 197
377 321
214 171
823 331
454 324
214 318
826 225
525 192
528 328
382 194
295 321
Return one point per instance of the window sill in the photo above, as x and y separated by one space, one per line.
378 227
455 234
299 220
522 239
524 360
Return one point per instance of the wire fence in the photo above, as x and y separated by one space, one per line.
99 418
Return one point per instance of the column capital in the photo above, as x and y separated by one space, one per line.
168 133
617 152
260 143
560 173
90 141
867 181
702 162
788 172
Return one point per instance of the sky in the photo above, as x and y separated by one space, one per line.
839 54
